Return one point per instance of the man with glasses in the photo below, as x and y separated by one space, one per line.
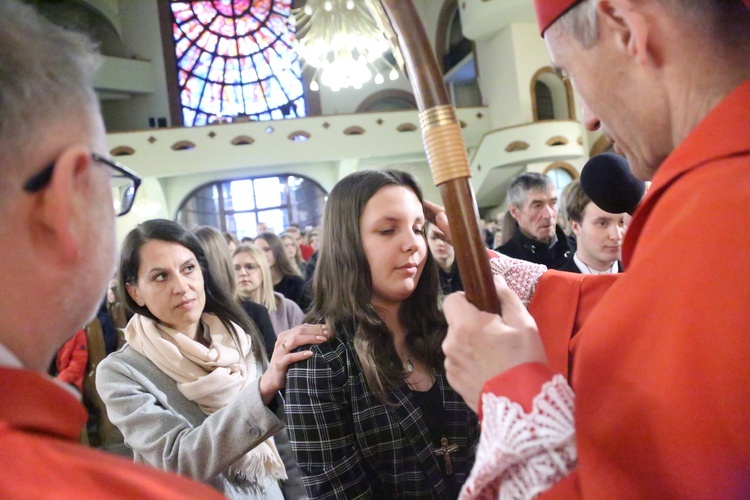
123 181
58 239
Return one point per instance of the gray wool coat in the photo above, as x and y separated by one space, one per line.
167 431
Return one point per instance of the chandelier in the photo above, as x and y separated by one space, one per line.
342 41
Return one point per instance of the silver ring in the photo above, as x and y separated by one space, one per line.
283 344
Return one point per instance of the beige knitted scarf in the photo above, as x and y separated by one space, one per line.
209 376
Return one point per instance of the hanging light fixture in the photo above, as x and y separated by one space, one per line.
342 41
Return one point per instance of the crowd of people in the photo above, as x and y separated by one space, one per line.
351 365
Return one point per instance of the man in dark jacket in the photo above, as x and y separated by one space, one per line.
532 201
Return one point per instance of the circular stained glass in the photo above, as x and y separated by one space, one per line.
236 58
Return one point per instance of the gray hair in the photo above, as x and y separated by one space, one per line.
46 74
525 182
581 20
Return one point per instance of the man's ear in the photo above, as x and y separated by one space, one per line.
575 227
627 26
63 202
135 294
513 211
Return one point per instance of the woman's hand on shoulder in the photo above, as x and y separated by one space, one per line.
274 379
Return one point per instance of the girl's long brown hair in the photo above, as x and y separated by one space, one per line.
279 254
342 287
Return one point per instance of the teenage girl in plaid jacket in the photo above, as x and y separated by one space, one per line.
371 414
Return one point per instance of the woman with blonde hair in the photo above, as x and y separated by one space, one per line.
285 279
220 265
293 252
254 283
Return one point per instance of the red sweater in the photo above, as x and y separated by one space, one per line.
72 358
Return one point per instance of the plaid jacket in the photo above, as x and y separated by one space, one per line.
350 445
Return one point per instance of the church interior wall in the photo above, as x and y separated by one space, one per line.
379 146
497 64
531 55
506 61
142 37
110 9
346 101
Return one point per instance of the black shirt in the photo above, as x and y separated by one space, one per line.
259 315
293 288
450 281
435 417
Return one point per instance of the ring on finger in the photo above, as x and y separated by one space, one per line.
283 345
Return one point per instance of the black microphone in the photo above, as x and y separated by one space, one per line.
607 180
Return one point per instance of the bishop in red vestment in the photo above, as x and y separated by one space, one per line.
660 399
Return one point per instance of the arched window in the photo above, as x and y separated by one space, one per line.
551 96
561 173
236 58
545 107
457 46
239 205
388 100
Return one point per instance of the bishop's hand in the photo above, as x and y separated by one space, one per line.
482 345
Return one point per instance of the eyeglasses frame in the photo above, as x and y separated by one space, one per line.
40 180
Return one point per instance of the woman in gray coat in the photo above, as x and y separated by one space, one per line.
188 391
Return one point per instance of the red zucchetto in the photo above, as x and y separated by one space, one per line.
548 11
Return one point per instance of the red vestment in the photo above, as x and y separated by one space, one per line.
39 457
661 366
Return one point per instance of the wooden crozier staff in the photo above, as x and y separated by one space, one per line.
445 149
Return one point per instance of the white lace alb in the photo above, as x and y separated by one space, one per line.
523 454
521 276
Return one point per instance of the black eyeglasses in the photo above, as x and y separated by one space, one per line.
124 183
